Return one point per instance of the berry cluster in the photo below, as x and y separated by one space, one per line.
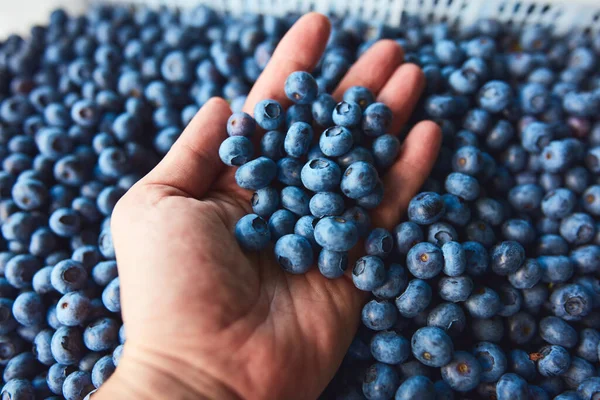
315 197
490 289
88 105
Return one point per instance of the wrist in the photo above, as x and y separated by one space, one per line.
142 376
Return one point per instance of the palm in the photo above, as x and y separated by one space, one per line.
301 322
235 315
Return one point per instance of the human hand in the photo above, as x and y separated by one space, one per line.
207 320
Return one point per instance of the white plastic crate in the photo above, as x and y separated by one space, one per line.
561 16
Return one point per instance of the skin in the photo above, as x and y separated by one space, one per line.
207 320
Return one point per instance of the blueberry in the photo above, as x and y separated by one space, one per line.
67 345
271 145
568 395
298 113
578 228
494 96
455 289
336 234
552 360
300 87
28 309
298 139
441 106
556 331
418 386
425 260
265 201
379 243
18 389
527 275
77 385
579 371
518 230
464 81
455 260
111 296
360 95
589 342
527 197
558 203
105 243
332 264
463 373
295 200
380 382
117 354
236 150
321 175
385 150
101 334
281 223
102 370
359 180
377 119
483 303
73 309
426 208
571 302
19 270
467 160
368 273
305 227
389 347
29 194
440 233
456 210
324 204
507 257
589 388
256 174
322 109
269 114
449 317
432 346
492 359
521 327
448 52
68 276
65 222
357 153
415 298
347 114
591 200
336 141
379 315
395 282
462 185
294 253
512 386
289 171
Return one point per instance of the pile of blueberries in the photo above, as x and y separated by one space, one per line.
490 289
302 189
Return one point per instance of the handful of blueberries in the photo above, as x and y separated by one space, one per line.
489 289
326 188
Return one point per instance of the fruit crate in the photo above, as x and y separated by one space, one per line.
562 16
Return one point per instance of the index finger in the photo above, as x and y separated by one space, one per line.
299 50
